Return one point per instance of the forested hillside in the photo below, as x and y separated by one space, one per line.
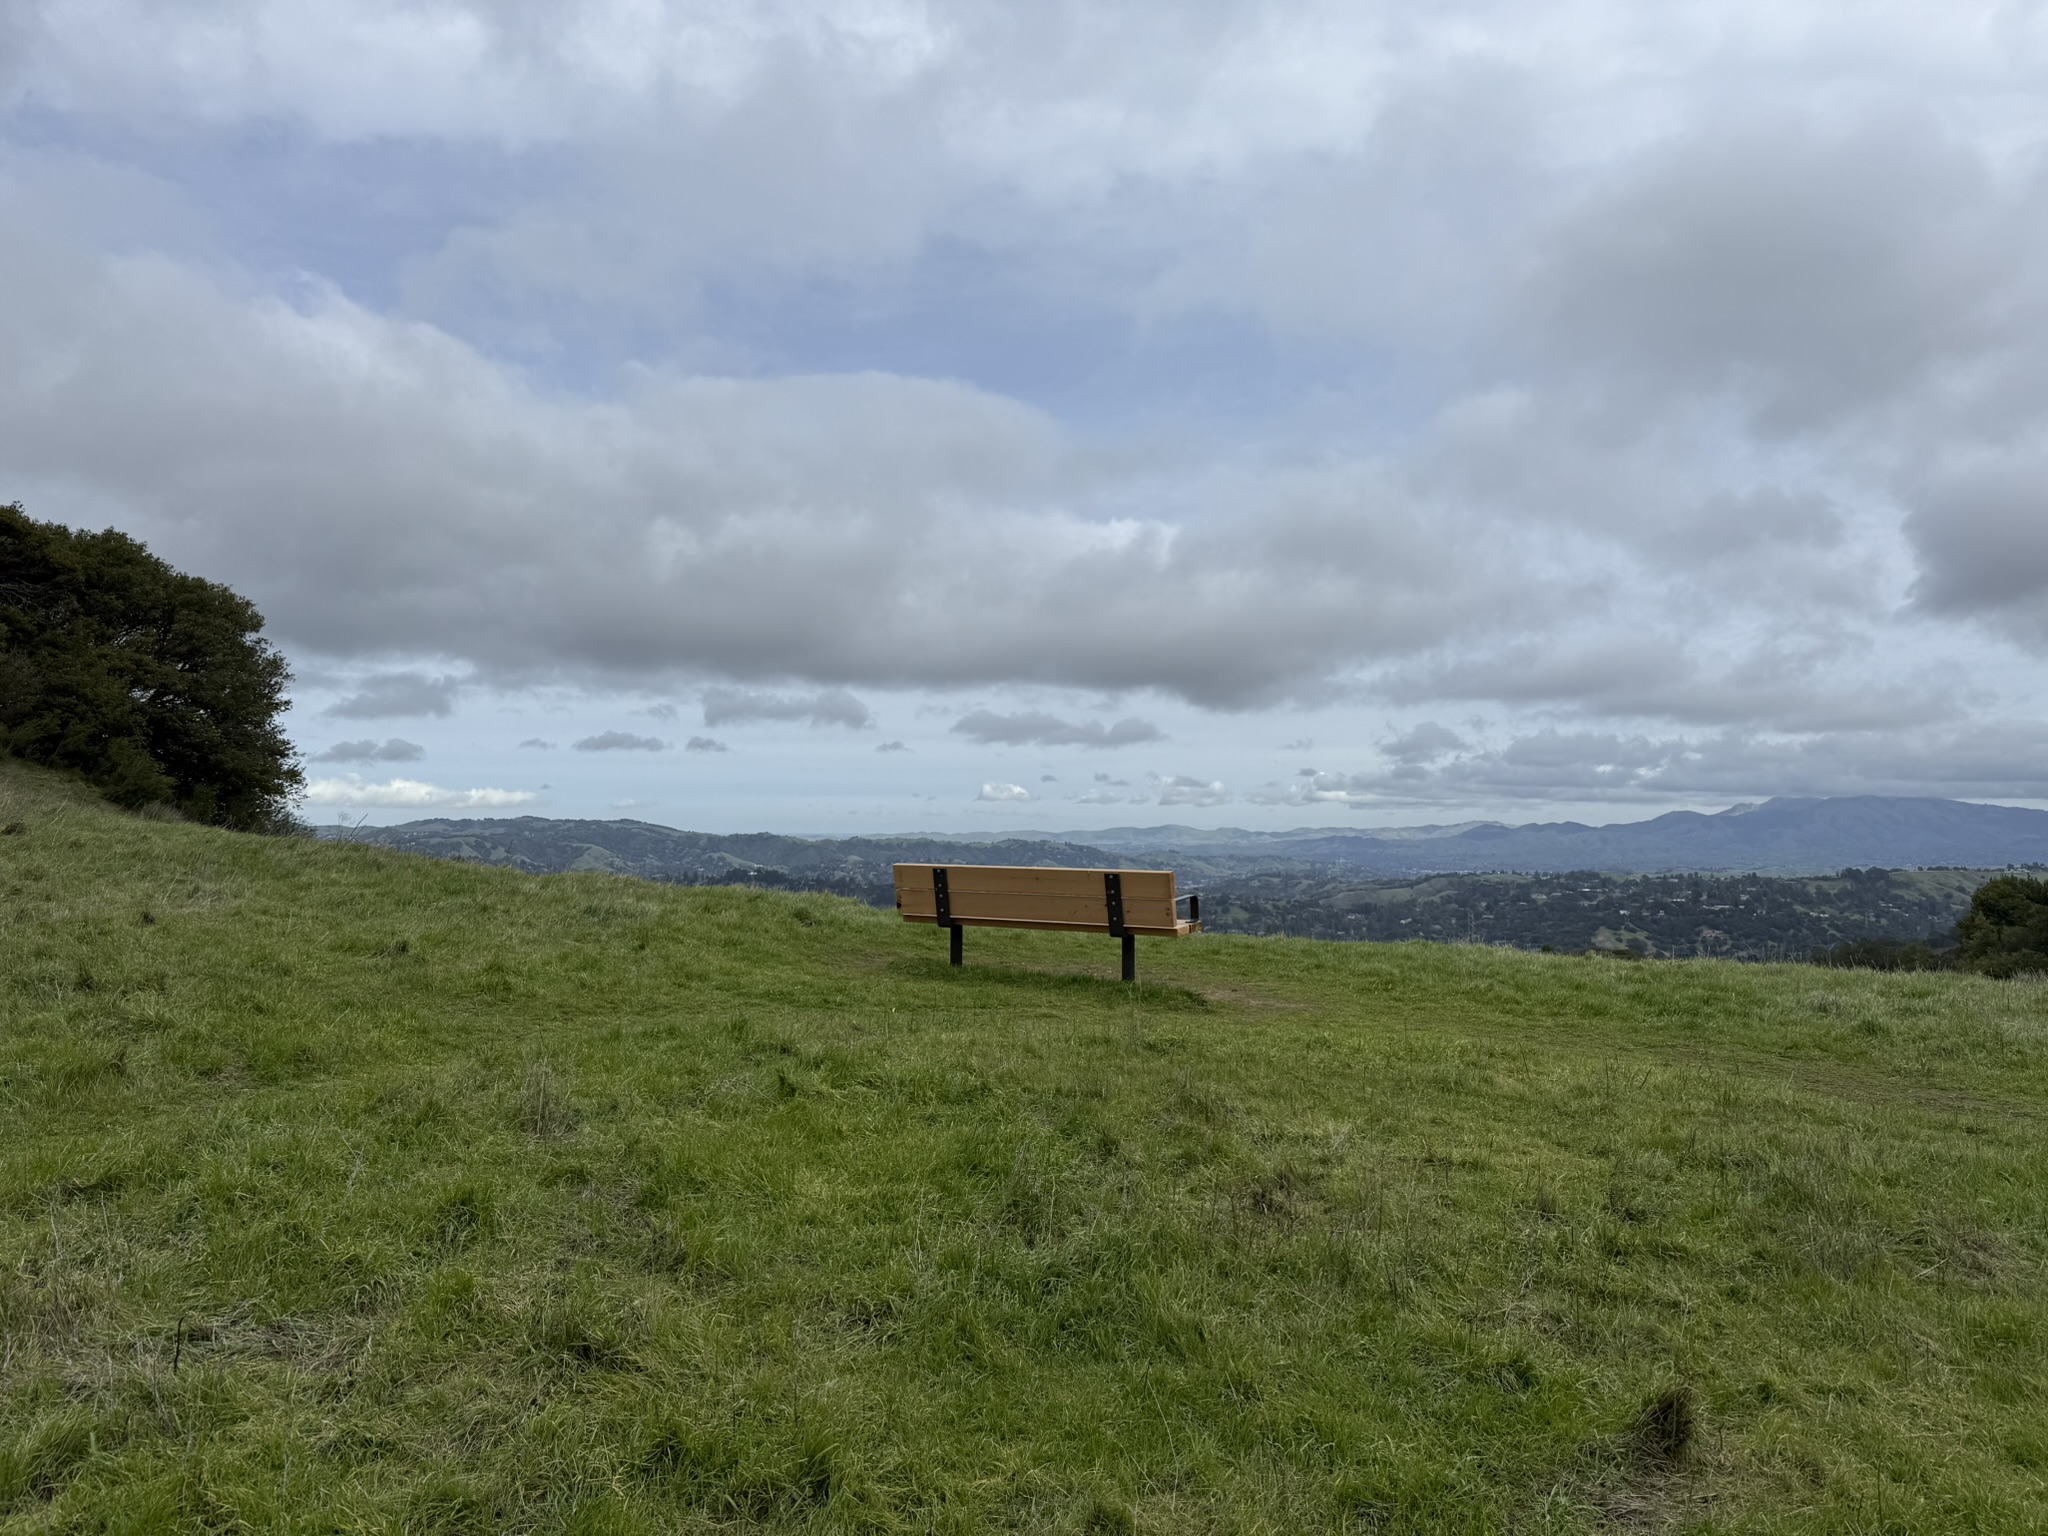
1743 917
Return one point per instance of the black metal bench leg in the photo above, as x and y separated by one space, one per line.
956 931
1130 957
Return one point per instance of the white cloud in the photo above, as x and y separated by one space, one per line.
1181 790
380 486
802 527
1003 792
411 794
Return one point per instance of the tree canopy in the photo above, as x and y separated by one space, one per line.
156 686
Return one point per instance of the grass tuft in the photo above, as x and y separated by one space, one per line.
545 1109
1668 1424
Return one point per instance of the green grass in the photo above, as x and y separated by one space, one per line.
343 1190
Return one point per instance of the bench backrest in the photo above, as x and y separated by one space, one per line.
997 896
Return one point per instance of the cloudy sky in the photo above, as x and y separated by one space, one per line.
870 415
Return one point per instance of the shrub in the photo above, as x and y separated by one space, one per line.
1886 955
2005 932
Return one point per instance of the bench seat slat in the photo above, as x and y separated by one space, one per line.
974 906
1179 930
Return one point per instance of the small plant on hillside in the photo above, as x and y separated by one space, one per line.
156 686
544 1105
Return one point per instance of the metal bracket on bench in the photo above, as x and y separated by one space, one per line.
942 905
1113 896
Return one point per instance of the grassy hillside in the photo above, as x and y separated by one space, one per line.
347 1190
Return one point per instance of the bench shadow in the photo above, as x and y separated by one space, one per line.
1039 981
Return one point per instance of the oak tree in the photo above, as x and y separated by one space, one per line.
156 686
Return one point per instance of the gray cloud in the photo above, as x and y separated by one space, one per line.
1809 264
1981 533
1424 743
538 744
2002 761
892 746
621 741
1766 523
1035 728
704 744
1802 683
835 706
398 694
392 751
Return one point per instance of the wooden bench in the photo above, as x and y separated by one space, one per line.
1122 903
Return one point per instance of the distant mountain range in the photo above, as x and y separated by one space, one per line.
1783 836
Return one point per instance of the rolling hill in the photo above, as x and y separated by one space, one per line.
858 867
343 1189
